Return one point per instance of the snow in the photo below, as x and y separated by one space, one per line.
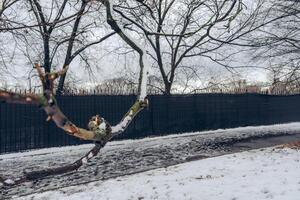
277 129
102 125
121 158
9 181
258 174
122 125
84 160
90 155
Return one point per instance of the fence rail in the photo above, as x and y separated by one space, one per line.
24 127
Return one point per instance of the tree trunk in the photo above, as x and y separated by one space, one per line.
60 85
168 87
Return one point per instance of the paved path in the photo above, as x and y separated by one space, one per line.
124 158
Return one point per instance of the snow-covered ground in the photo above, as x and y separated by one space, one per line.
237 133
121 158
253 175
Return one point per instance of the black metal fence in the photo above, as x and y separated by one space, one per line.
24 127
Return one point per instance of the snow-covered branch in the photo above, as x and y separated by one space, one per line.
99 130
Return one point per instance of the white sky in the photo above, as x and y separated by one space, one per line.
110 65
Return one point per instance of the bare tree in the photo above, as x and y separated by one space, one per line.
55 33
5 4
278 41
98 130
182 33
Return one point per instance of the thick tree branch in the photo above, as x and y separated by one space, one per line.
98 129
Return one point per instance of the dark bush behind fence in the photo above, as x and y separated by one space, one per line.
24 127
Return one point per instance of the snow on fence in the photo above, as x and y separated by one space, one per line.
24 127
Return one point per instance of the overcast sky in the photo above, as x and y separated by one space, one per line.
110 65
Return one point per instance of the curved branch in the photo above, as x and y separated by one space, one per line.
111 20
98 129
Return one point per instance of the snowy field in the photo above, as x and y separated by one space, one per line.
235 133
253 175
125 158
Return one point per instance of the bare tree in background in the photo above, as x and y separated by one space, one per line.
5 4
54 34
179 33
278 42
